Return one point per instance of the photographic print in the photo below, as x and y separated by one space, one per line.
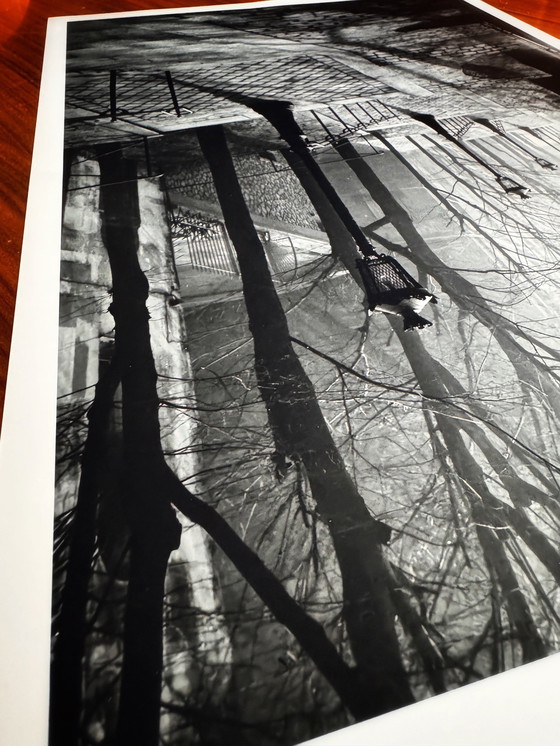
307 447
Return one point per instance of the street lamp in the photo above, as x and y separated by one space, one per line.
391 289
507 184
498 127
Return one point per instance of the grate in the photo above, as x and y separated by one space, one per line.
457 126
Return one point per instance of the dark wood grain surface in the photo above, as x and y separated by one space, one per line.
22 34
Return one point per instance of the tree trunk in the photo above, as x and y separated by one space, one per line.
299 428
498 513
516 605
154 528
521 491
150 486
492 517
309 633
427 650
71 629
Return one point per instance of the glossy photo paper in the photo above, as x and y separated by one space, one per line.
307 393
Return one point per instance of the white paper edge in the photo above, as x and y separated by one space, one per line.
517 708
27 443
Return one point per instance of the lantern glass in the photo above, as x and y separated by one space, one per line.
386 281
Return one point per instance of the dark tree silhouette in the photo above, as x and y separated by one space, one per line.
299 429
154 529
339 425
149 490
71 625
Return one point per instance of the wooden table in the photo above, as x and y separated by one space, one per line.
22 34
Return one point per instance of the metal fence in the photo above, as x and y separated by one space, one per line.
109 104
202 243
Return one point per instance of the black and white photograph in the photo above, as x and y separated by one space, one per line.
307 448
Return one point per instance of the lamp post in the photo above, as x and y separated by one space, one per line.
498 128
509 185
